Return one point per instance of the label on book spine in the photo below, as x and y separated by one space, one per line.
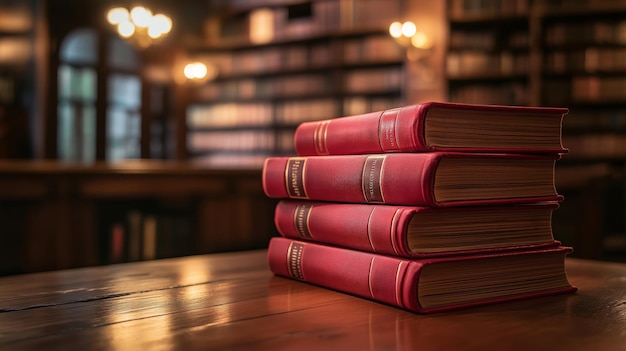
294 260
301 220
319 137
370 181
294 178
387 130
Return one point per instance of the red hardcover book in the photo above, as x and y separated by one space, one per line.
409 231
434 179
436 126
424 285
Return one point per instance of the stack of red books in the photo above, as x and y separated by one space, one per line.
428 207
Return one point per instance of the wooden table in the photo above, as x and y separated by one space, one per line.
233 302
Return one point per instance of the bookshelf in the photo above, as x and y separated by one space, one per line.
57 215
323 59
16 77
556 53
488 58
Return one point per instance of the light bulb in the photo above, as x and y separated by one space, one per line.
117 15
126 29
408 29
195 70
395 29
141 16
420 41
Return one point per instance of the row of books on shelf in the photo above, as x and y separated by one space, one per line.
225 160
471 63
430 207
588 60
368 50
307 19
504 93
286 113
488 40
295 85
239 140
608 119
597 145
586 32
463 8
593 88
147 236
585 89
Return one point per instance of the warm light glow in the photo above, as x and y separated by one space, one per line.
141 16
195 70
408 29
117 15
159 25
420 41
261 26
126 29
139 25
395 29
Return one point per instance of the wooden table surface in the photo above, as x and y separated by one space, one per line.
233 302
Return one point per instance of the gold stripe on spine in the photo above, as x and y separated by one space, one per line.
371 179
320 137
301 218
397 284
387 136
294 178
294 260
392 233
369 229
369 278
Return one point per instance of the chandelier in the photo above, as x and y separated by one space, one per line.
139 25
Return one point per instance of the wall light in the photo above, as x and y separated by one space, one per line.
416 43
139 25
199 71
407 35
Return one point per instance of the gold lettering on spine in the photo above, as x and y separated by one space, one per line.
387 136
369 278
294 178
371 179
320 137
301 220
294 260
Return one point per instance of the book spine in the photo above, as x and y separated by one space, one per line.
385 279
400 179
393 130
380 229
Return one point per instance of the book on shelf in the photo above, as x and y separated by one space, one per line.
410 231
424 285
436 126
433 179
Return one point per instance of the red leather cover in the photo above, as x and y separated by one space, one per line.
386 279
373 228
394 130
400 179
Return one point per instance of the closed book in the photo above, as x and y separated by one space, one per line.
424 285
434 126
433 179
413 231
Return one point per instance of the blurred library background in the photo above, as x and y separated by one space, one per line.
137 130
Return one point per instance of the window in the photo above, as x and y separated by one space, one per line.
78 76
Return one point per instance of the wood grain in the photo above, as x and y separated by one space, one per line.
233 302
